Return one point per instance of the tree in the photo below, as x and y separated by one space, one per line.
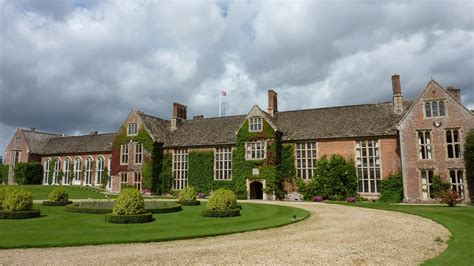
469 161
28 173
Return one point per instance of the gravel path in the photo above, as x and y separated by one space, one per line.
333 234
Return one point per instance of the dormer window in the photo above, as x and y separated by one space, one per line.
435 108
255 124
132 129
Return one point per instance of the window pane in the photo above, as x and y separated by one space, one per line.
428 109
441 108
434 108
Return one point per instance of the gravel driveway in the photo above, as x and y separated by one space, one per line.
333 234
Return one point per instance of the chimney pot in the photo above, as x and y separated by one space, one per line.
179 113
93 133
198 117
33 129
272 102
455 92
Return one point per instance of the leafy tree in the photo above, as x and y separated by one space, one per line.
469 161
335 178
28 173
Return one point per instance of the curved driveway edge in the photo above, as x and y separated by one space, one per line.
333 234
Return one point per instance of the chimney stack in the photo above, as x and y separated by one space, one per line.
272 102
397 94
93 133
455 92
198 117
179 114
33 129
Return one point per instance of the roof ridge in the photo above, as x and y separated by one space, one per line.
152 116
213 118
41 132
99 134
334 107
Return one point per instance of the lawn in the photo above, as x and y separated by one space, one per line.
458 220
60 228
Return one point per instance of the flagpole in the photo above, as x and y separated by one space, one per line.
220 100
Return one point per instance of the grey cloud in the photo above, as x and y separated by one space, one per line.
77 66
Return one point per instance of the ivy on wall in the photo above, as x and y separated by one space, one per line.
286 168
201 173
165 177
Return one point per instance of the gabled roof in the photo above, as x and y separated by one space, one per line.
432 82
36 140
158 128
79 144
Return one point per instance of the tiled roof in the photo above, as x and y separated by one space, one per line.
36 140
339 122
79 144
206 131
159 128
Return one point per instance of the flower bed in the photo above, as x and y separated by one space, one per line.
19 214
56 203
106 207
129 219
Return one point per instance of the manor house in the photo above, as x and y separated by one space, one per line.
261 153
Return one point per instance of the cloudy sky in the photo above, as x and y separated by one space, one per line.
72 66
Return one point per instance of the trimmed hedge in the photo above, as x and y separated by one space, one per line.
222 199
83 208
189 202
129 219
56 203
20 215
221 213
129 202
76 208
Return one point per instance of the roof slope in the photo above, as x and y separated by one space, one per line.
157 127
333 122
206 131
79 144
37 140
339 122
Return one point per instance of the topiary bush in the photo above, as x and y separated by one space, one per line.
17 200
129 202
391 188
187 194
222 203
59 194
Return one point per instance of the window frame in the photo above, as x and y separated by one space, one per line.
56 170
122 176
138 155
453 144
88 171
179 168
258 150
428 184
100 166
17 141
428 148
457 186
223 163
124 155
67 171
77 169
46 166
307 164
132 129
255 124
137 180
368 166
431 103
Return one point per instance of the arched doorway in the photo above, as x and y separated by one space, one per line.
256 190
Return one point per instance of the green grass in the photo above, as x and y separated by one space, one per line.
60 228
40 192
459 221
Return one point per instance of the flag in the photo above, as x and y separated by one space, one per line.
223 93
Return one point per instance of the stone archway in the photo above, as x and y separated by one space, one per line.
256 190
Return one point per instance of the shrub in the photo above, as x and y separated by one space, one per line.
222 199
351 199
391 188
189 203
187 194
335 179
129 219
451 198
28 173
17 200
469 161
129 202
58 194
317 198
439 187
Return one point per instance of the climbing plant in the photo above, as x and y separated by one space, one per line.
201 173
165 177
